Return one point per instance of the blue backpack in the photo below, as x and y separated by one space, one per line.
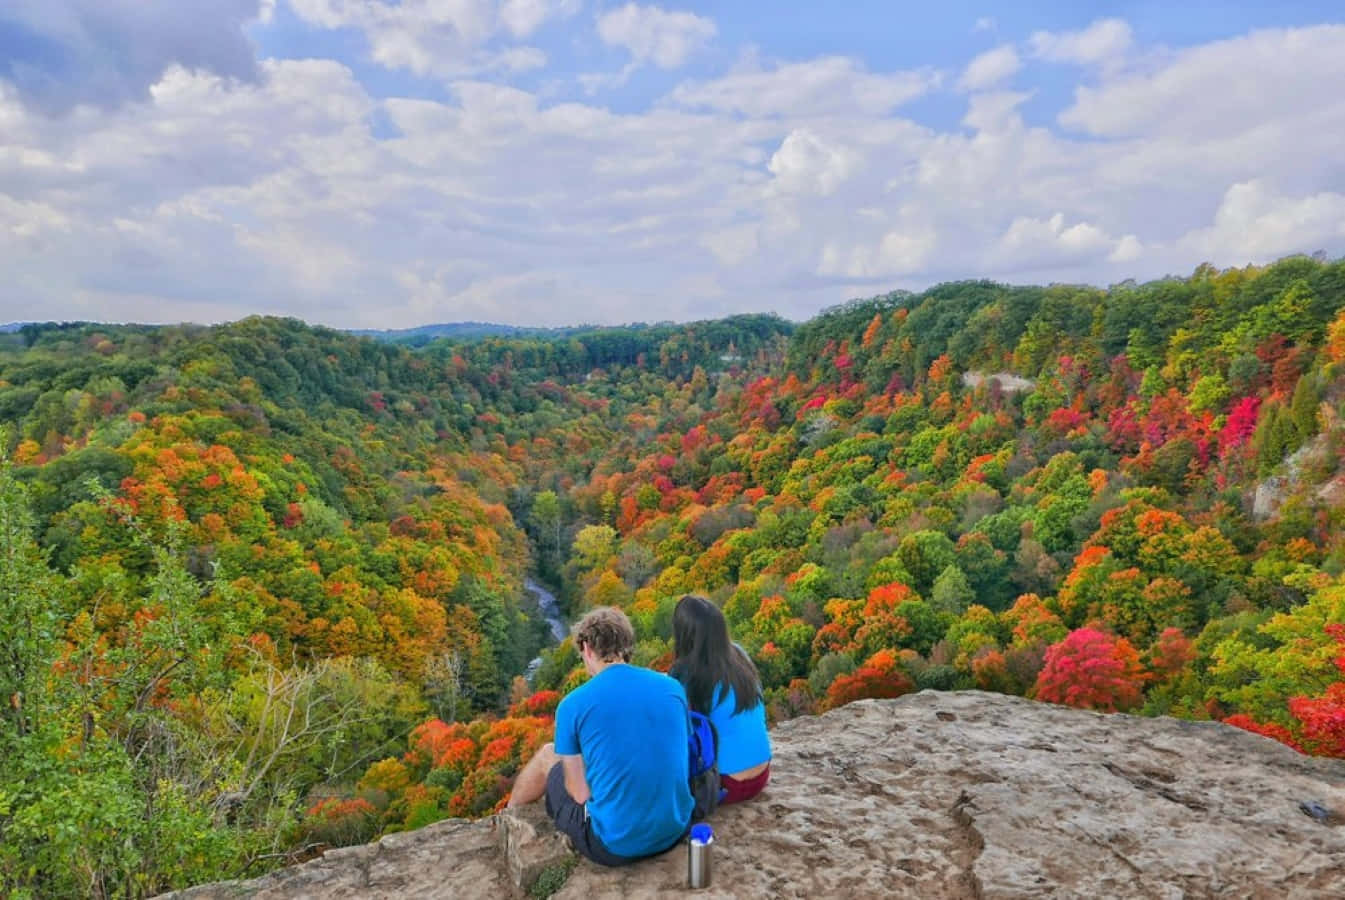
703 747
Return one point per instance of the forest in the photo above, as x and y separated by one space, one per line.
262 589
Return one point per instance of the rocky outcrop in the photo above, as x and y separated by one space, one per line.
935 795
455 858
1303 465
1009 383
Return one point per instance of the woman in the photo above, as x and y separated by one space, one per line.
722 683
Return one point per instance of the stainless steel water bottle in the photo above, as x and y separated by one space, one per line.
698 855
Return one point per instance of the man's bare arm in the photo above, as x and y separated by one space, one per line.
576 780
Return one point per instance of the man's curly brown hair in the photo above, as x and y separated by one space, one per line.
608 631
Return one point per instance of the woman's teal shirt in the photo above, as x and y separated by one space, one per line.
743 740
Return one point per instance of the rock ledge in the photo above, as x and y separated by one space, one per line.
934 795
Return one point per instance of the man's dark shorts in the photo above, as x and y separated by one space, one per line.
572 820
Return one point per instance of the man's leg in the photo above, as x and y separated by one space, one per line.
572 820
530 784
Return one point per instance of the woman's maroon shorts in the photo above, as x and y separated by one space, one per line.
735 791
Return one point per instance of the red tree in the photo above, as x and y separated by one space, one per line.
879 676
1170 654
1241 424
1094 670
1323 720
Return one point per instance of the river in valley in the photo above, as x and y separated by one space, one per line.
549 607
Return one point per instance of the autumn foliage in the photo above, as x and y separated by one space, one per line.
879 677
1123 499
1319 722
1093 670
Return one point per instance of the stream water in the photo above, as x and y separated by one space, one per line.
549 607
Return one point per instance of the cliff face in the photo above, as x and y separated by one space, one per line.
934 795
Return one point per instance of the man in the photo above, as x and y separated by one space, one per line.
615 780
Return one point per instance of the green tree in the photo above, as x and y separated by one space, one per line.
1303 406
96 797
925 554
1276 436
1209 393
545 517
952 593
593 546
27 606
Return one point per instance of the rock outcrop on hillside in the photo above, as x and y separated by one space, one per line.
934 795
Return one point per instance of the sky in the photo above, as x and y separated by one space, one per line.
385 164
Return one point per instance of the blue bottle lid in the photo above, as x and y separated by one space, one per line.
702 833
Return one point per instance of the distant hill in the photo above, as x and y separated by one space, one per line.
423 334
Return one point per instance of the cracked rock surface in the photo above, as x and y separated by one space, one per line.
937 795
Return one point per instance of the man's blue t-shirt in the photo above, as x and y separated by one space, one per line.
631 727
743 740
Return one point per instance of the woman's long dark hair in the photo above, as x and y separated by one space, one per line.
704 657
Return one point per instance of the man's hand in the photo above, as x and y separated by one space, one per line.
576 780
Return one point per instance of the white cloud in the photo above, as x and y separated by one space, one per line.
1029 243
441 38
522 17
1128 249
1255 223
1102 42
984 23
732 246
109 52
896 253
828 86
556 212
25 221
514 59
1214 89
990 68
995 111
784 186
425 38
651 34
807 164
593 82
